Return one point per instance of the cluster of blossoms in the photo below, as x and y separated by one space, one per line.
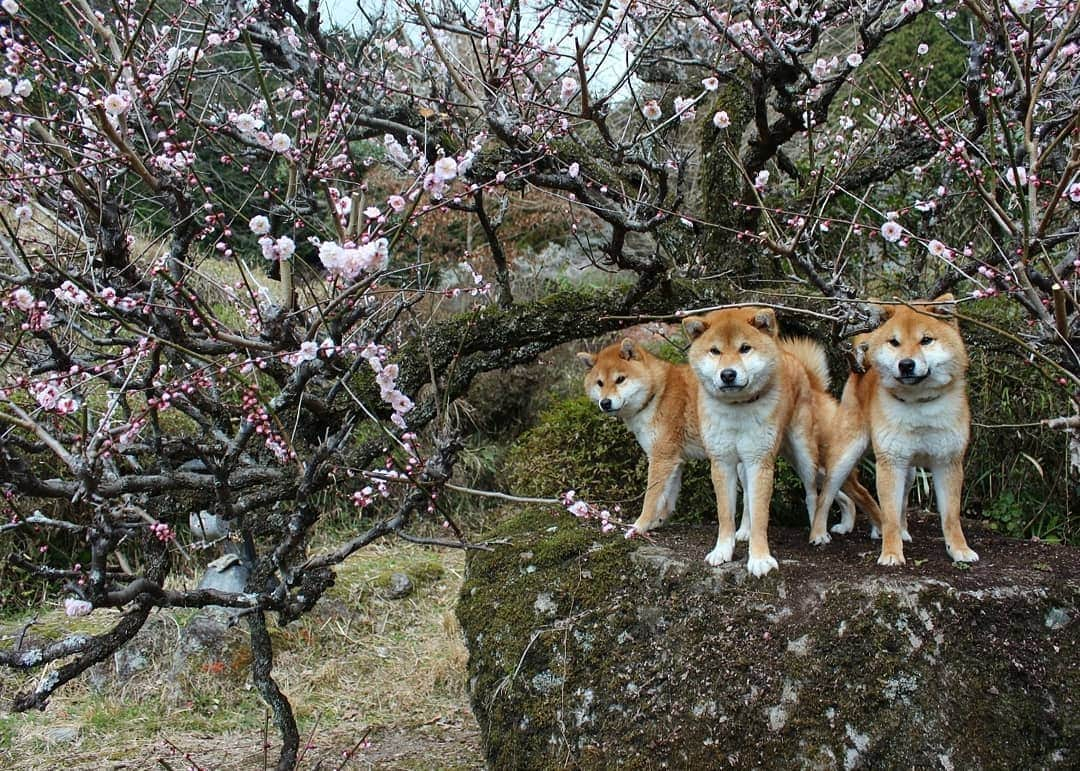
49 397
275 250
256 414
310 350
350 260
386 377
162 532
583 510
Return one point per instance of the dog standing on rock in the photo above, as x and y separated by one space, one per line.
755 400
657 400
911 404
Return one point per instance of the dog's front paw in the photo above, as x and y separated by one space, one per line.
962 554
759 566
820 539
721 553
891 558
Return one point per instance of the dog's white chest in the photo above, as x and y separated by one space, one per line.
734 433
644 428
922 433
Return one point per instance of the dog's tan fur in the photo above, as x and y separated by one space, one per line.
755 400
911 404
658 402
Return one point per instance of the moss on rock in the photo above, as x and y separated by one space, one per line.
590 651
576 447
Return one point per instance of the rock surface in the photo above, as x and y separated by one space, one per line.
590 651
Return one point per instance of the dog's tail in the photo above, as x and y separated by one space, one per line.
812 356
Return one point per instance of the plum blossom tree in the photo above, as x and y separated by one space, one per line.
218 290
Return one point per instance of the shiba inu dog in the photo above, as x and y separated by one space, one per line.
755 400
911 404
657 400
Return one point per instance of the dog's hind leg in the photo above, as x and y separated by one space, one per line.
743 533
665 478
948 481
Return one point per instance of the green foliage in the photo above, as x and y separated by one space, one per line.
946 60
1016 472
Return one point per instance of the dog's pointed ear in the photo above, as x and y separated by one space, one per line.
694 326
944 306
765 320
587 359
628 350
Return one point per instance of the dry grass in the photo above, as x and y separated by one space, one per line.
361 664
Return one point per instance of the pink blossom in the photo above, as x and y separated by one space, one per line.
23 299
568 88
23 213
651 110
721 119
854 59
446 168
10 6
70 293
710 84
280 142
937 248
117 103
400 402
372 212
579 509
259 225
245 122
684 108
891 231
280 249
1074 192
396 202
574 169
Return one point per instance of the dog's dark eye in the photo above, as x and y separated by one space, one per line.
619 379
714 351
745 348
894 343
600 383
926 340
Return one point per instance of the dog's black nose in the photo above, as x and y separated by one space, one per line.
605 405
906 366
728 376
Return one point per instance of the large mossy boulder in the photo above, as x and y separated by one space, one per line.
586 650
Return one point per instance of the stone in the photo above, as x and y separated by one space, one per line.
226 574
61 734
400 586
658 660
